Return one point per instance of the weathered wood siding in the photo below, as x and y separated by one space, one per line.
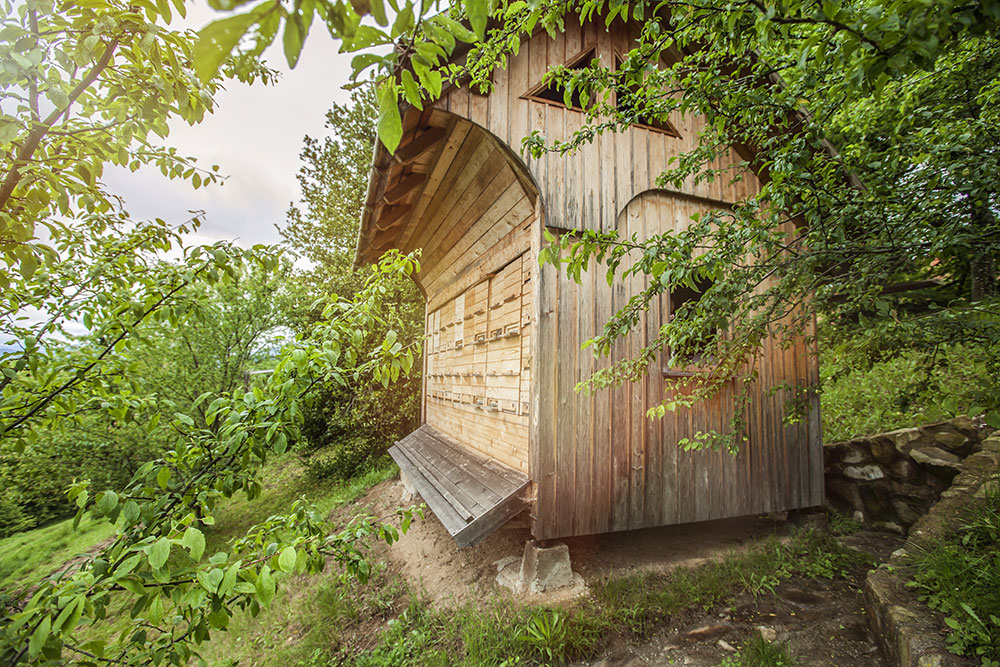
601 465
587 189
598 464
479 366
472 223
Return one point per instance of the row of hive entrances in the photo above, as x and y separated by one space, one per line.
477 348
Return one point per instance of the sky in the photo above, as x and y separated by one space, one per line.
255 137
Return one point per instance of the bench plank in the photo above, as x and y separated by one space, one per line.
470 494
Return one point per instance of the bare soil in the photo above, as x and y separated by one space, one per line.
822 621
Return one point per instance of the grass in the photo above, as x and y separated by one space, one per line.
901 392
496 632
28 557
758 652
959 575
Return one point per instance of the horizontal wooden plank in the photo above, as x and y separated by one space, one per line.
472 495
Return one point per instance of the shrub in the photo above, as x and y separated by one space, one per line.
867 396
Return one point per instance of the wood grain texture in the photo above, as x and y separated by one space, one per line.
503 355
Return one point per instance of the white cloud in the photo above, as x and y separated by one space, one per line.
255 137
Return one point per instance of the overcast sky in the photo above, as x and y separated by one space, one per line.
255 137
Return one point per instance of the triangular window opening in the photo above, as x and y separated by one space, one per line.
552 93
623 103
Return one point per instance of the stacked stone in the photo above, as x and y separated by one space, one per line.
908 632
888 481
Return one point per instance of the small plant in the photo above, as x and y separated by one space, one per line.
758 584
545 632
758 652
842 524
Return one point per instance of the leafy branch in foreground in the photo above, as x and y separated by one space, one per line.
157 561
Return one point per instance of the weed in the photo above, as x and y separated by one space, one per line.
758 584
545 633
758 652
842 524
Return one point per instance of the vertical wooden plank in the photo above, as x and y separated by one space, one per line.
517 109
620 404
637 394
815 427
654 426
569 447
543 388
497 105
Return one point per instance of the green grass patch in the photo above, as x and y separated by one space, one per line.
959 575
758 652
914 388
26 558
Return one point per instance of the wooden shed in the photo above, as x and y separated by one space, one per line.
503 429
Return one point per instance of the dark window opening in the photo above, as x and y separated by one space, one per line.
699 347
553 93
624 102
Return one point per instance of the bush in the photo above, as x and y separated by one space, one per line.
349 428
868 396
346 458
35 481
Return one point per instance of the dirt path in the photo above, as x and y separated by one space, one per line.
823 621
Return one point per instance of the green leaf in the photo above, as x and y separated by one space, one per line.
390 124
286 561
194 542
163 477
410 89
292 39
478 13
266 586
155 612
229 580
159 553
108 502
377 8
39 637
216 42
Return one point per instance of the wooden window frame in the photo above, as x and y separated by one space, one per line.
694 366
572 62
669 130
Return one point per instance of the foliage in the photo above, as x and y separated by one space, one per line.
861 397
905 93
959 575
163 508
350 425
758 652
225 336
85 85
545 633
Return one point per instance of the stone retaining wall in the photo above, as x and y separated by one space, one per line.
909 633
888 481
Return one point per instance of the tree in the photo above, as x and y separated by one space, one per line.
88 85
357 422
231 329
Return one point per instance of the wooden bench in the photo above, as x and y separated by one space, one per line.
470 494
